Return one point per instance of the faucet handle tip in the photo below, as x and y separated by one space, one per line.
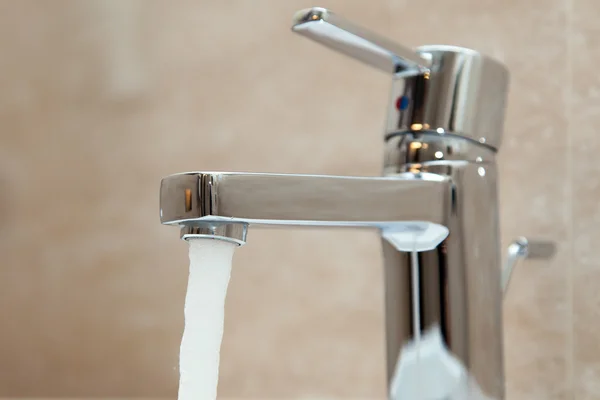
309 14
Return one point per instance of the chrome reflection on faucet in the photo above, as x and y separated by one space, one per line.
444 126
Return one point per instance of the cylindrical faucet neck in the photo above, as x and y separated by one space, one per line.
463 94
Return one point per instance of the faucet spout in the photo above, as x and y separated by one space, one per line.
406 202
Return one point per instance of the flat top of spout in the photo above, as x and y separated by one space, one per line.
421 176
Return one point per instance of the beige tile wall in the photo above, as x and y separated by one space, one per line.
99 99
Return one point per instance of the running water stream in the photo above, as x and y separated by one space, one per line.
210 269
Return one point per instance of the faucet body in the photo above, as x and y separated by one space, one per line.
459 280
445 117
438 194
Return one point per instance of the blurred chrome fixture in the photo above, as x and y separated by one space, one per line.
523 248
444 127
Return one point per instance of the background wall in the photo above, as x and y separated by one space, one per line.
99 99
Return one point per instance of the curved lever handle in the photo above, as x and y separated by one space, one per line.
523 248
327 28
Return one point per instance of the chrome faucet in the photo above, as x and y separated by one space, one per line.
436 204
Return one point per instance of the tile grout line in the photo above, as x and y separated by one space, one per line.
570 342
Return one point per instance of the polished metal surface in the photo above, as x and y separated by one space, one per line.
333 31
229 232
523 249
414 149
444 126
459 281
316 200
464 94
436 89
